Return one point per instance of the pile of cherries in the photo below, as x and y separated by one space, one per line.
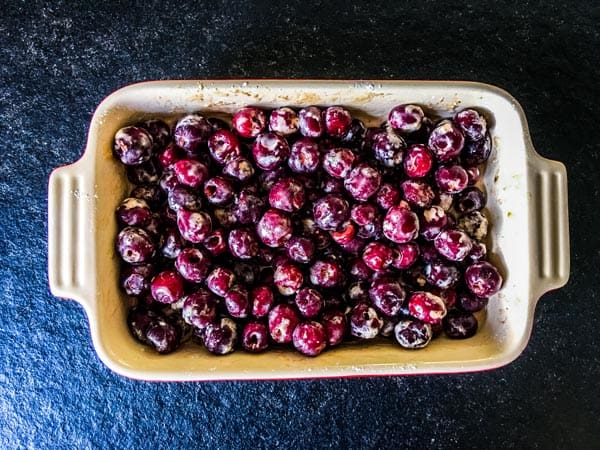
304 228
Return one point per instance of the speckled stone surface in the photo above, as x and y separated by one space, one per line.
58 60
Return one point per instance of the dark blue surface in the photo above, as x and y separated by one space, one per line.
58 62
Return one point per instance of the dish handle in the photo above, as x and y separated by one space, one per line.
550 224
71 243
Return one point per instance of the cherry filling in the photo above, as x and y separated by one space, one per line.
304 228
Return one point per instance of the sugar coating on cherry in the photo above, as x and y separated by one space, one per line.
237 301
472 123
338 162
239 169
193 264
336 326
287 194
337 121
413 334
300 249
427 307
282 321
309 302
224 146
270 150
220 280
400 225
191 133
134 212
135 280
305 156
460 325
167 287
249 122
255 337
365 322
218 190
388 148
194 226
377 256
418 161
388 196
325 273
133 145
163 335
310 122
309 338
262 300
288 278
274 228
284 121
220 337
406 118
362 182
330 211
135 245
483 279
216 242
243 243
199 309
387 296
446 141
190 172
418 193
453 244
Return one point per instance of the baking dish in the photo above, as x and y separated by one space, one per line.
527 207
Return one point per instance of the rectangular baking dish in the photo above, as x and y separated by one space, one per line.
527 208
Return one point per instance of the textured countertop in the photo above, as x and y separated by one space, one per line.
58 61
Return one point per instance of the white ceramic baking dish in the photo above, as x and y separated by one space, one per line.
527 206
